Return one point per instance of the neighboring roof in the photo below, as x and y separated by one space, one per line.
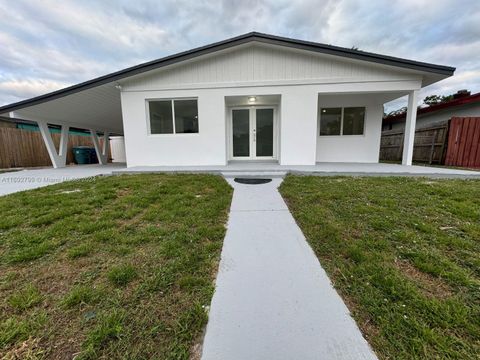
470 99
225 44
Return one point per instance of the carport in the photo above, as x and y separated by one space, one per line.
93 105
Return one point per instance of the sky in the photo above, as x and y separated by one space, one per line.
47 45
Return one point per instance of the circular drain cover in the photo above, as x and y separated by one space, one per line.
251 181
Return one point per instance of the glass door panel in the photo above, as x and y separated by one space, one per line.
241 132
264 132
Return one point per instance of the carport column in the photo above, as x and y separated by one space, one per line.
58 159
102 154
410 128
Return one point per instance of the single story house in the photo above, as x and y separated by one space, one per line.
249 98
463 104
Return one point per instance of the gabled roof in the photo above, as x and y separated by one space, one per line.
470 99
225 44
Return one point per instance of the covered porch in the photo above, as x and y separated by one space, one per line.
311 124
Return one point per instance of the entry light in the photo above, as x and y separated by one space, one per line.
252 99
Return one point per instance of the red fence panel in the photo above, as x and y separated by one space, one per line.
464 142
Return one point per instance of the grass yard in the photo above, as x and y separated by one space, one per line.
118 267
404 254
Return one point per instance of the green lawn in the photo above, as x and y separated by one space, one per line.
404 254
111 268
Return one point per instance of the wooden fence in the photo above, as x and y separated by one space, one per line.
429 146
24 148
464 142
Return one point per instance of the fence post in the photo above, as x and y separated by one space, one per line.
432 149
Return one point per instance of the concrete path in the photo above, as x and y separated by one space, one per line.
11 182
273 300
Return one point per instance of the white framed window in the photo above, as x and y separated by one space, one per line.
342 121
173 116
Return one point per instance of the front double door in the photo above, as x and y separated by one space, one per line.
253 133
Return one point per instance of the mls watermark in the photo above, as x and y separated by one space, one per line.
42 179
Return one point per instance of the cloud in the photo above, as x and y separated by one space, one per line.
29 88
47 43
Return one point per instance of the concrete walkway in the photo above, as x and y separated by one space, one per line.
273 300
15 181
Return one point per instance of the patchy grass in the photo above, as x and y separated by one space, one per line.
82 295
404 254
116 267
121 275
25 298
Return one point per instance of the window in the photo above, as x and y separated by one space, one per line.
161 117
330 121
178 116
342 121
353 119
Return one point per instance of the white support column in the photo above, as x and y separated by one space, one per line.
62 151
102 153
58 159
410 123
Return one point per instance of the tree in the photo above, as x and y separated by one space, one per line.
436 99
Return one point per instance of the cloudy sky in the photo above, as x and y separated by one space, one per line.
46 44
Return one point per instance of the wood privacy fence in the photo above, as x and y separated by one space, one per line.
464 142
23 148
429 145
454 143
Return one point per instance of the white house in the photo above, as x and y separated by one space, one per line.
253 97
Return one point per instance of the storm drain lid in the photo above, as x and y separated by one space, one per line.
251 181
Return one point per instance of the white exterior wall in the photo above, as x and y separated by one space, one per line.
352 148
298 78
297 120
208 147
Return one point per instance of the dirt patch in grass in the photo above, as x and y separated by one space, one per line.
29 349
121 269
404 254
428 284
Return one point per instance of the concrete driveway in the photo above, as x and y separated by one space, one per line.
12 182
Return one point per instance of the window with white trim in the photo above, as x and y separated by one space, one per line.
174 116
342 121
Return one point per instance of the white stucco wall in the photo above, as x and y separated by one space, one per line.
297 122
205 148
352 148
297 79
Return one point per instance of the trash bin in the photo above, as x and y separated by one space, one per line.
83 154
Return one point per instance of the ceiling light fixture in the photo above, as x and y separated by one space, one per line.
252 99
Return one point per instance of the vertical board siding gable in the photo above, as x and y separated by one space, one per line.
257 63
